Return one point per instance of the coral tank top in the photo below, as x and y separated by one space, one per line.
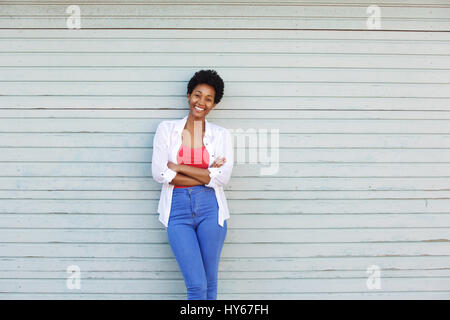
196 157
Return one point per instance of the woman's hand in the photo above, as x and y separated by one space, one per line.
218 162
173 166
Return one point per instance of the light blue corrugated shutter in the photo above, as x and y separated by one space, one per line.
364 124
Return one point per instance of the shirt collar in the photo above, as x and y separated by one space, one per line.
179 126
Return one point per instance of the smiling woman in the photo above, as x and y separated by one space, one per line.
193 159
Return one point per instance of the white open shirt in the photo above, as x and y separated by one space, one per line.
167 142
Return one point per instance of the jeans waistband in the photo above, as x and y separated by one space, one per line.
191 189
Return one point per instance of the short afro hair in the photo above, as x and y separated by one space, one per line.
209 77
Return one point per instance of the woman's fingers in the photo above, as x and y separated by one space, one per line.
218 162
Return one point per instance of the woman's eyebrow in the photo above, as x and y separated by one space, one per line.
202 92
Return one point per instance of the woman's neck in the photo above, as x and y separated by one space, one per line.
195 126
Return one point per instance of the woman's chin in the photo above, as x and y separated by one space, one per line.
197 115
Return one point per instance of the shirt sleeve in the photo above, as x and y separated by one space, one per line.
160 172
220 176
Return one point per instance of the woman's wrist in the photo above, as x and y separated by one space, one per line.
179 168
173 166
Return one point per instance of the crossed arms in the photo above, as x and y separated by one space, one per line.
192 176
167 172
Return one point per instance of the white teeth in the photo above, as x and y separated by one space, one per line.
199 109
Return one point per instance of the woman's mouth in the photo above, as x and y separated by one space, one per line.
198 109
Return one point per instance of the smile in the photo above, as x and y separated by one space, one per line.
199 109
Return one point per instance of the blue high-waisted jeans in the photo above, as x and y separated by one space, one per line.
196 239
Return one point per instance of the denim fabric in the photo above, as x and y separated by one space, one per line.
196 239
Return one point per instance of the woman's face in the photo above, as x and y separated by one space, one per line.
201 101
